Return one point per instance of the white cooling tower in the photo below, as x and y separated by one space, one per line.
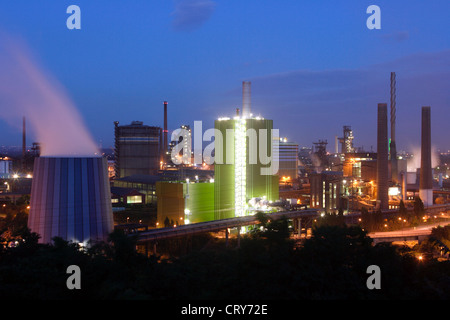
71 199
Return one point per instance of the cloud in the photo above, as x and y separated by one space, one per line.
191 14
397 36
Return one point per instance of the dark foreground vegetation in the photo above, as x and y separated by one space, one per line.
267 265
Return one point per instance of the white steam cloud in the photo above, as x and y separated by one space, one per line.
414 163
26 90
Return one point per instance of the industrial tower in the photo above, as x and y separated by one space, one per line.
238 174
393 147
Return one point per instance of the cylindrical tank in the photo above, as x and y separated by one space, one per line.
71 199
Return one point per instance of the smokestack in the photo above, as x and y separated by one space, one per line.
24 143
404 185
393 147
336 145
426 180
165 133
246 98
382 157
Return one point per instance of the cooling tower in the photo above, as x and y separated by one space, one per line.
382 157
71 199
426 179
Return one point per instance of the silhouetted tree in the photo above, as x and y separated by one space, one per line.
402 209
166 222
419 209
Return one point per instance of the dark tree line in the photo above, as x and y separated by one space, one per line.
267 265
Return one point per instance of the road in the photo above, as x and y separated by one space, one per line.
408 232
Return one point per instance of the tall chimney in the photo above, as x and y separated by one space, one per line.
426 180
165 133
336 145
382 157
24 143
404 185
246 98
393 147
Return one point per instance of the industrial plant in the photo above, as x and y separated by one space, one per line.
224 157
255 169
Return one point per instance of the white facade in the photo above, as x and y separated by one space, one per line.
5 168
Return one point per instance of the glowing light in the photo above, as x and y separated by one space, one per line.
187 214
240 169
394 191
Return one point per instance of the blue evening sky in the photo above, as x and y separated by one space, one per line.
314 65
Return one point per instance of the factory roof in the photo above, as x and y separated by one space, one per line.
141 178
121 192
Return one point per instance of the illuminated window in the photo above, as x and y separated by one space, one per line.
134 199
323 195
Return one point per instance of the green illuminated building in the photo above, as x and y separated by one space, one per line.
243 157
245 176
185 202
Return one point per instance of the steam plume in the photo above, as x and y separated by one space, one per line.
27 90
